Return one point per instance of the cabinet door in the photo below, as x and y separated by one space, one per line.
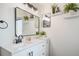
34 51
31 51
44 48
20 53
47 48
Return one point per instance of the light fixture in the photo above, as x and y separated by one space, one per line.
31 6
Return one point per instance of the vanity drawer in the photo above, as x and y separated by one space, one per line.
43 45
20 53
23 52
43 53
16 50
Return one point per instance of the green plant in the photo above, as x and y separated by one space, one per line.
37 33
41 33
54 9
71 6
26 18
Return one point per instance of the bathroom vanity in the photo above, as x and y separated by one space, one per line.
36 47
26 24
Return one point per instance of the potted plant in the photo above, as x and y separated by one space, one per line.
71 8
37 33
41 34
54 9
26 18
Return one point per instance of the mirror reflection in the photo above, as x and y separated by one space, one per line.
26 23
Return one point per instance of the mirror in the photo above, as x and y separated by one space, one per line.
25 22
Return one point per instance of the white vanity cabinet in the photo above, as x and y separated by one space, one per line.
39 49
35 48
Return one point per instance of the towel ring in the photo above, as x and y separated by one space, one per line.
1 21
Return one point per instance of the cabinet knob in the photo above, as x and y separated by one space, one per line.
43 45
31 53
43 53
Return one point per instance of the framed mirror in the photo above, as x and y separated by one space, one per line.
25 23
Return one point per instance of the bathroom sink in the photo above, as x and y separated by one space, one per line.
26 42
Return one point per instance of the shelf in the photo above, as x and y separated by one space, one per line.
71 15
57 14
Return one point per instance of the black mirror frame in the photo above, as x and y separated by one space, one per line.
30 13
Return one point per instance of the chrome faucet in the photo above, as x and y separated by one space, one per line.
18 39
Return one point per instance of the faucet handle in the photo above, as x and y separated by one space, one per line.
20 37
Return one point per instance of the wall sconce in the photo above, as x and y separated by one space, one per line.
3 22
31 6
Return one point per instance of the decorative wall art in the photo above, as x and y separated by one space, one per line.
46 20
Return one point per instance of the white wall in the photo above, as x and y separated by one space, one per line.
64 35
7 14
